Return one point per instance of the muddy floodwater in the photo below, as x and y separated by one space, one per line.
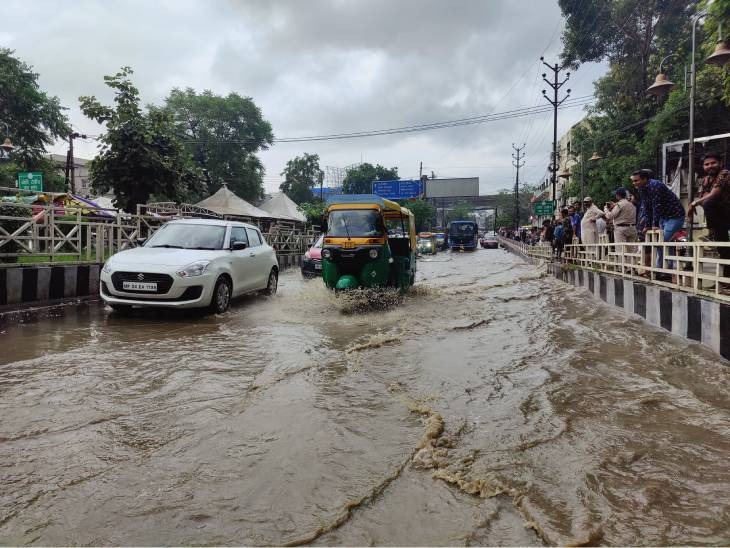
493 405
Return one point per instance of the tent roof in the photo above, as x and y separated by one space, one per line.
280 206
225 202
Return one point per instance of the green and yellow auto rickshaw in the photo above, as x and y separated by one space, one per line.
370 242
427 243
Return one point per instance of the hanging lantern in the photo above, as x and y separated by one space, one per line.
595 157
661 86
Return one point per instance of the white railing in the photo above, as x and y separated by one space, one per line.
69 233
694 267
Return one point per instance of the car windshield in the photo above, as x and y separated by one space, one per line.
465 229
188 236
354 223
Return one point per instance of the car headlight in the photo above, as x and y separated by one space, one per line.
373 253
107 268
326 253
198 268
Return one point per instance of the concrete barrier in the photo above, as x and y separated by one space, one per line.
38 284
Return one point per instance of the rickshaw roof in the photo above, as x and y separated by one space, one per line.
366 199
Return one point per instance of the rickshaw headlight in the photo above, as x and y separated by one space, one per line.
326 253
373 253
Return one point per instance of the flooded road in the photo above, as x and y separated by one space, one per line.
494 405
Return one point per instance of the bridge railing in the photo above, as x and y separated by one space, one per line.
694 267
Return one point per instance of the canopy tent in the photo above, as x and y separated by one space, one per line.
280 206
226 203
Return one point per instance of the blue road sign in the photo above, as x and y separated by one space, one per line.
398 190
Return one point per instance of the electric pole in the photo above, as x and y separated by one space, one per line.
556 84
518 155
70 167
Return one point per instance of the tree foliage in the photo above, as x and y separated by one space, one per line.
424 213
34 121
301 174
315 212
627 126
223 134
140 154
359 180
461 211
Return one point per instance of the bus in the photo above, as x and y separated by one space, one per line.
463 235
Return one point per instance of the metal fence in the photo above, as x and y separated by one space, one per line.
53 233
694 267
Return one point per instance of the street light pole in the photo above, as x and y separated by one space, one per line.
691 145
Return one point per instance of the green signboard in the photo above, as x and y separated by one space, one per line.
30 180
544 208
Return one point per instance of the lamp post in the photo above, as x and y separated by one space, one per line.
662 85
6 149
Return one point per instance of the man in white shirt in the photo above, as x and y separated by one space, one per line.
588 228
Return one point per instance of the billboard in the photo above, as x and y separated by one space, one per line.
402 189
449 188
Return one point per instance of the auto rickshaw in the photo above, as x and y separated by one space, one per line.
427 244
369 242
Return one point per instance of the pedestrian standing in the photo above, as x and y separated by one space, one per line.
588 229
715 201
660 209
623 214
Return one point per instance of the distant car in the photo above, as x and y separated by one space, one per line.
441 241
312 262
489 241
191 263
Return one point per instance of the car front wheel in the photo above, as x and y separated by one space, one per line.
221 298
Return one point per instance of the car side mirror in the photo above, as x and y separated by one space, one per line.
140 241
238 246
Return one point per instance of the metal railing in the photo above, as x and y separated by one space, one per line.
693 267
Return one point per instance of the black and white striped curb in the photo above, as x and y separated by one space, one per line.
695 318
20 285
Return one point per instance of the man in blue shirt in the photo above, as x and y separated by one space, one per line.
660 208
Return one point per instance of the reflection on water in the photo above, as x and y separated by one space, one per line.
489 405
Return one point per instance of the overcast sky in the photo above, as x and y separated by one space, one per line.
322 66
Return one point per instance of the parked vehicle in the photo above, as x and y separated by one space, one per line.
440 240
359 250
191 263
427 243
312 262
489 241
463 235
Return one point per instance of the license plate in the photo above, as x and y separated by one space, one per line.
318 266
139 286
348 245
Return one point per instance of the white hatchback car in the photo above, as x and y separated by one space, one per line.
191 263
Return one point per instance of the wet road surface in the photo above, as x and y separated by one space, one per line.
494 405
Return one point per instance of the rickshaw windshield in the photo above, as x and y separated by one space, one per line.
347 223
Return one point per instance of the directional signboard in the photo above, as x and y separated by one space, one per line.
398 190
544 208
30 180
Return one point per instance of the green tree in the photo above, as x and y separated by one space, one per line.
140 154
359 180
300 175
315 212
461 211
34 121
424 213
223 134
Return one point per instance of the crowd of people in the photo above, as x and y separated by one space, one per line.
627 216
